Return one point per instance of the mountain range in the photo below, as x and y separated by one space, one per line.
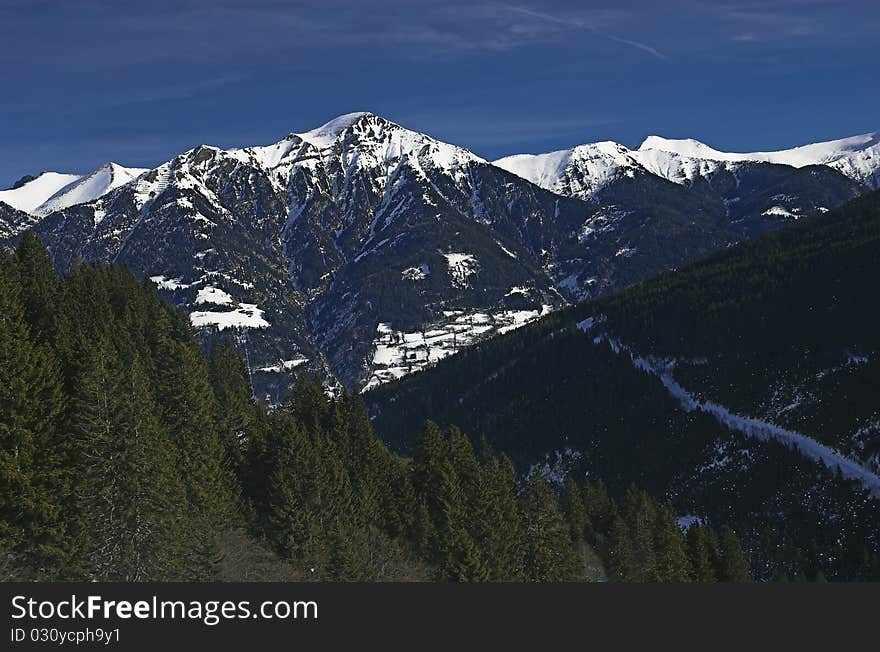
362 250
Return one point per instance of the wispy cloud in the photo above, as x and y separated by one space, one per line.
777 21
640 46
577 23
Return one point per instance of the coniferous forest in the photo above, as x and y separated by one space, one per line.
782 327
129 453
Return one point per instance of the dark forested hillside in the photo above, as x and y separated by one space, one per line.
127 454
781 329
784 327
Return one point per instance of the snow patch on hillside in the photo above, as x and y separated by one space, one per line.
245 315
780 211
282 366
241 315
416 273
556 466
398 353
749 426
170 284
460 267
210 294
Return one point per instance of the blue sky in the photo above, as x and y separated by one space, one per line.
86 81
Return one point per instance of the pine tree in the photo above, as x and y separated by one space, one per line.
453 547
619 552
464 461
463 561
30 405
17 410
600 511
131 494
39 287
638 510
498 520
368 464
731 565
572 505
236 410
427 472
669 546
293 517
702 551
549 553
189 415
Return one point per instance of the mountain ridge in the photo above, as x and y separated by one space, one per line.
362 250
840 154
681 160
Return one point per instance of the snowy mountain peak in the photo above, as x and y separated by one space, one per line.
29 196
682 146
362 139
812 154
579 172
90 187
325 135
586 169
385 141
857 157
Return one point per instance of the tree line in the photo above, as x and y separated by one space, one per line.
128 454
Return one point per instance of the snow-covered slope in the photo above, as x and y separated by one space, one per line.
54 191
585 170
358 141
578 172
29 196
857 157
88 188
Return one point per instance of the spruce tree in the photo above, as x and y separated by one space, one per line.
669 545
368 463
498 520
550 556
619 552
573 508
463 561
131 494
236 410
293 522
638 510
600 511
189 413
731 564
702 551
39 287
30 407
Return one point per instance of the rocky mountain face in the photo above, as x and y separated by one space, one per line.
362 250
14 222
